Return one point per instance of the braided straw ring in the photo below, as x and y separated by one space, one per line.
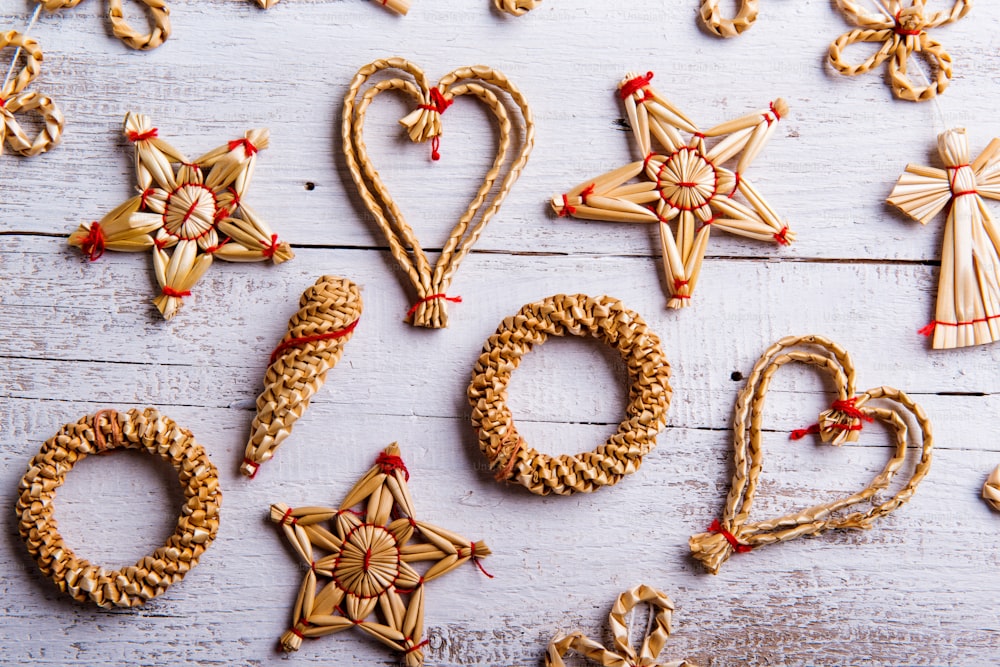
516 7
159 15
14 99
105 431
720 26
603 318
842 423
623 653
424 123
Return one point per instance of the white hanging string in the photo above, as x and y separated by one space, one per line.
13 61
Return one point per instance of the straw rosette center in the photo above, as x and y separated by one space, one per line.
190 212
686 179
368 564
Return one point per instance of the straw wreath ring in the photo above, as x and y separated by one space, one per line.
720 26
849 414
14 99
422 124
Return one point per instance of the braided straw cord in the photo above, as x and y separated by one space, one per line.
991 489
720 26
317 334
661 610
902 31
159 15
423 124
516 7
398 6
607 320
107 430
14 99
837 425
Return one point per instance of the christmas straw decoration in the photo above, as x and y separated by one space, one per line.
15 99
607 320
516 7
369 565
901 31
398 6
842 423
328 313
422 124
968 298
720 26
657 633
159 15
195 208
991 489
102 432
686 182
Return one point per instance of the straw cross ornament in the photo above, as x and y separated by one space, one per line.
968 298
14 99
193 208
369 563
159 14
683 180
902 31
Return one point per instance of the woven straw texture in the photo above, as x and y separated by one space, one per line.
15 99
398 6
105 431
431 282
900 30
607 320
157 10
516 7
840 424
717 24
991 489
317 334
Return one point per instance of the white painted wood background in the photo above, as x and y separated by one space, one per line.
919 589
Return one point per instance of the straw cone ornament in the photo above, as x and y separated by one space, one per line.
661 610
369 562
609 321
106 431
15 99
991 489
850 413
157 10
424 123
711 15
187 212
968 298
398 6
901 31
683 181
328 313
516 7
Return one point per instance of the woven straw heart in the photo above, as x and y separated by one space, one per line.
424 123
843 422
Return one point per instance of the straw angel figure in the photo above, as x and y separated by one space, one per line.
968 299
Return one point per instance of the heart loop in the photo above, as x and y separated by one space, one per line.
431 282
15 99
841 423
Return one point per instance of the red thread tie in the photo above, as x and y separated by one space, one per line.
93 243
389 463
180 294
717 528
439 102
253 465
905 33
929 329
782 236
3 103
476 561
248 148
416 647
848 407
632 86
288 513
432 297
305 340
435 148
777 116
567 209
296 632
269 250
142 136
800 433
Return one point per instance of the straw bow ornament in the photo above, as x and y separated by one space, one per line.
623 655
159 14
842 423
14 99
424 124
712 16
902 31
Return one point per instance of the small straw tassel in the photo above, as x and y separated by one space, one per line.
422 124
685 182
398 6
157 10
609 321
328 313
657 633
720 26
991 489
968 297
900 31
15 99
516 7
842 423
369 563
106 431
194 208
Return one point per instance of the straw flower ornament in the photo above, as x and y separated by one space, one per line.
158 12
684 181
14 99
193 208
711 15
902 31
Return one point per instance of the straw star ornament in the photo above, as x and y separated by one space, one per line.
683 181
369 562
187 212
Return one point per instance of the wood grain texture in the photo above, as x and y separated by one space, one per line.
919 589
